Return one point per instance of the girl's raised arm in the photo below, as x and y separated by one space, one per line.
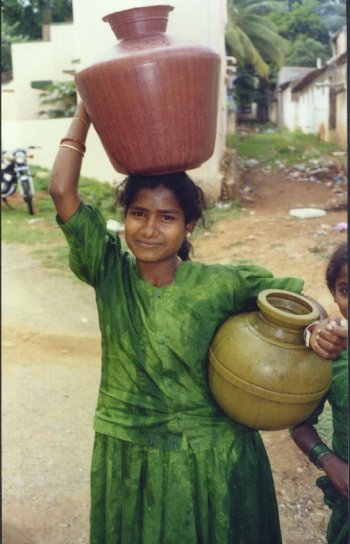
66 169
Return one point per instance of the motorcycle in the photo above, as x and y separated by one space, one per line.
15 173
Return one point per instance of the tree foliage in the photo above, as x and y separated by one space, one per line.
300 20
309 25
265 35
22 20
245 87
252 37
59 99
305 51
32 14
9 35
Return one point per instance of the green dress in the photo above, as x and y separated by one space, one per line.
337 396
168 465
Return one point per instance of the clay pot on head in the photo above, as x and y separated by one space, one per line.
260 372
153 98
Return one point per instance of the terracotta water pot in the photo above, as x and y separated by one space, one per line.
153 98
260 372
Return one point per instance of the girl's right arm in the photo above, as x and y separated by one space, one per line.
66 169
307 438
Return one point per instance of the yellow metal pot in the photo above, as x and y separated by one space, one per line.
260 372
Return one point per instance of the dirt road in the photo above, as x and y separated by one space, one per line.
51 353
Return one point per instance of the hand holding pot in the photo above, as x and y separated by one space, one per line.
329 338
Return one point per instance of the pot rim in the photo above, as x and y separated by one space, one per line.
311 312
133 14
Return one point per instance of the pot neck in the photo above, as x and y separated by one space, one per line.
283 316
277 330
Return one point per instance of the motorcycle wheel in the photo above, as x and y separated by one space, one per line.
27 197
29 202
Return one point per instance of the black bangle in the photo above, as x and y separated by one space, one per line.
317 452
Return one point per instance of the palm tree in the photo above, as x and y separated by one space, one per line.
251 37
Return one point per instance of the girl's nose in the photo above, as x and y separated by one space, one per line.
150 227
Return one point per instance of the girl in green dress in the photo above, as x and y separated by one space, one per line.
334 462
168 465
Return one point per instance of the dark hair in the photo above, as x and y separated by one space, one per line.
189 196
336 262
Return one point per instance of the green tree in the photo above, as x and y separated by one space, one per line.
305 51
333 13
32 14
59 99
308 25
301 20
9 35
252 37
245 86
23 21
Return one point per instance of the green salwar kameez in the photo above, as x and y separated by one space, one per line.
168 465
337 396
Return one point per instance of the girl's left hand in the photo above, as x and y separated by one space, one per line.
329 338
337 471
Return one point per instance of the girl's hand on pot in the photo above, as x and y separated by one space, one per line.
329 338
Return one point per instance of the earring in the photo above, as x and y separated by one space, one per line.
188 235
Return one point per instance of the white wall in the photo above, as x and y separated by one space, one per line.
287 110
341 135
47 134
202 21
36 61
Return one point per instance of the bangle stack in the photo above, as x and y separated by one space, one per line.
317 452
79 146
308 331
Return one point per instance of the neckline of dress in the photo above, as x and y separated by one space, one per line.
179 267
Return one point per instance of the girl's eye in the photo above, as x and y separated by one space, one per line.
167 217
136 213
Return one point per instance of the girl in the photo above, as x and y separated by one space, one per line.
335 485
168 465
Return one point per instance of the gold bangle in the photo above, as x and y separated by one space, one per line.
81 119
72 147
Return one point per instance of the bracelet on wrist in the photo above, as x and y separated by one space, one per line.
80 144
317 452
72 147
308 331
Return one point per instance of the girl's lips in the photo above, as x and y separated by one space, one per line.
148 244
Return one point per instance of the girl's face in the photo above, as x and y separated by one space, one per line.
340 291
155 226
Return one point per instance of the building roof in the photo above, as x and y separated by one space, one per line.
287 74
337 60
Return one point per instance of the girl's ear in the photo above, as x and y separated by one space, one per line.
190 227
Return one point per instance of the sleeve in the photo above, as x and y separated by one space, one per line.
252 279
87 238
